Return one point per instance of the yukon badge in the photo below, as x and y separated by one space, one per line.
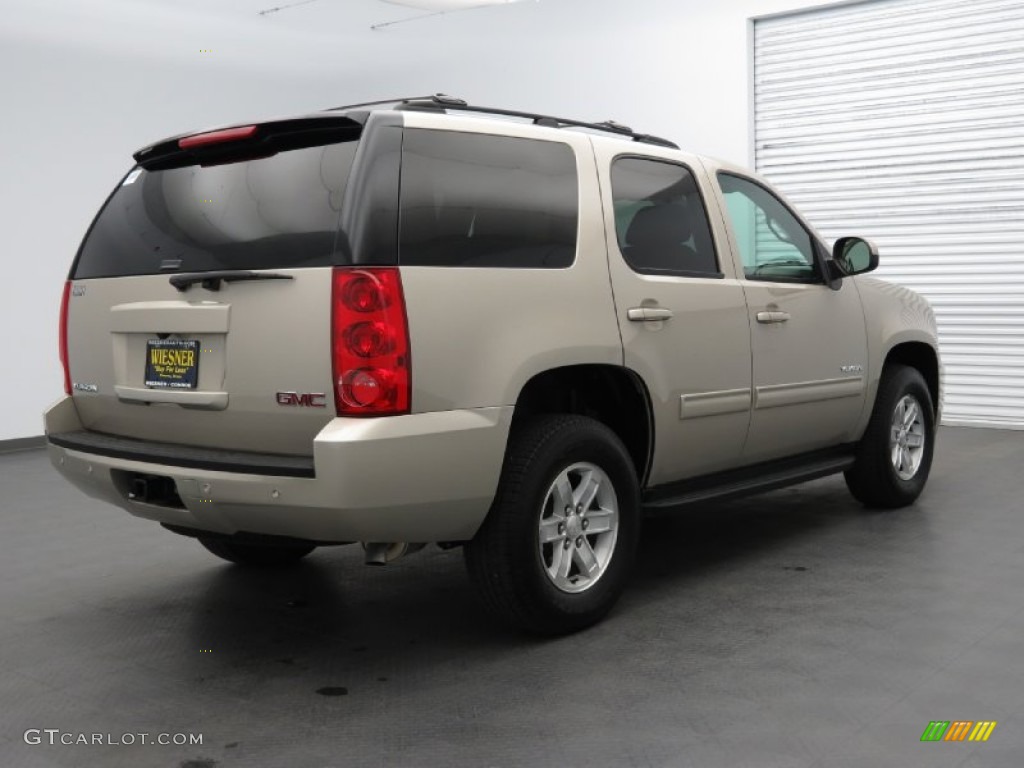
304 399
851 368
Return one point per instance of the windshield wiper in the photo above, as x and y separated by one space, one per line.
211 280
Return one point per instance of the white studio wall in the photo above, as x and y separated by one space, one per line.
87 83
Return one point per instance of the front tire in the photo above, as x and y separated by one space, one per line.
554 553
895 455
256 555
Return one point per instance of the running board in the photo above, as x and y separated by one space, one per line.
748 480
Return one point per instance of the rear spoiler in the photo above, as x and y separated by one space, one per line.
246 142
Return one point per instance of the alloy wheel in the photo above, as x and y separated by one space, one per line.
578 528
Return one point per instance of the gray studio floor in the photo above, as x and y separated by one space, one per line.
793 629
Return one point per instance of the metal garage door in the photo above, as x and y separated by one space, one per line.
903 121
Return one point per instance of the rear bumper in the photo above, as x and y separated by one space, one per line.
417 478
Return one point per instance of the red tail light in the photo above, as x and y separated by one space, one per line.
370 342
62 336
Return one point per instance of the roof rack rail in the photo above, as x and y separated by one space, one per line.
380 103
441 102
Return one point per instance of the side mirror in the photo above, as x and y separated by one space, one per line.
854 256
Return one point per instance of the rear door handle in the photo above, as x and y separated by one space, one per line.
772 317
647 314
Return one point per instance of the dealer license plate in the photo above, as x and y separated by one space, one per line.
172 363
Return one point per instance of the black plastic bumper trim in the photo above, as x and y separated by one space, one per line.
187 456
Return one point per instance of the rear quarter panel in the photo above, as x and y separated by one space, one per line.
479 334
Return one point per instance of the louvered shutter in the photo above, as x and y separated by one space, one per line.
903 121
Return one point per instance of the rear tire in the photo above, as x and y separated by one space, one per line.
554 553
255 555
894 456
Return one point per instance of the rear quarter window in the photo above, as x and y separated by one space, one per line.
269 213
472 200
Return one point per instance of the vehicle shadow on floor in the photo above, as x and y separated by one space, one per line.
678 545
332 615
333 598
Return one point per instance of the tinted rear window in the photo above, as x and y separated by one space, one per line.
272 213
660 219
471 200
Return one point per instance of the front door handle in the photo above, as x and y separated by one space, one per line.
772 317
647 314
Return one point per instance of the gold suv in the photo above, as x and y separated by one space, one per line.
411 322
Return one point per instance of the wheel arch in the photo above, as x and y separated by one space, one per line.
924 358
613 395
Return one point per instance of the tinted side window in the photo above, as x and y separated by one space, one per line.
660 219
471 200
773 244
271 213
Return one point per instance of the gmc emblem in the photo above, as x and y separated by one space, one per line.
305 400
